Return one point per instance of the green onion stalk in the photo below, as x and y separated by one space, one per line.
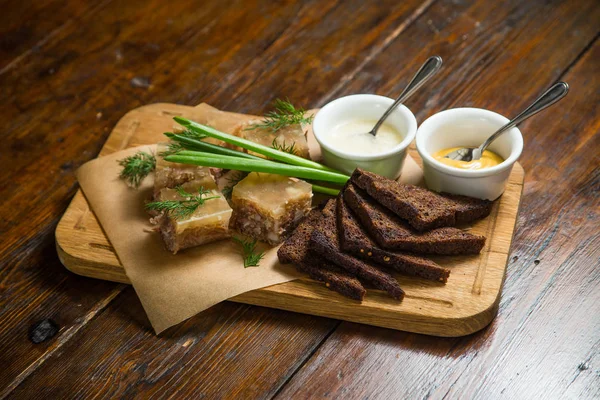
252 146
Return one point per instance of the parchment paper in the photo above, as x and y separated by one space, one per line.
173 288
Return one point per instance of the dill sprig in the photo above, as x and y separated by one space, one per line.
251 256
181 209
284 114
137 167
231 182
172 148
283 147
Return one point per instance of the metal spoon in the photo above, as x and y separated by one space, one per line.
427 70
550 96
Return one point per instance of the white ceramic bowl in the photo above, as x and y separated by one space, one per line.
364 106
467 127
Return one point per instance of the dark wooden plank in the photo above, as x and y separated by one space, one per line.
544 342
36 287
495 54
75 129
26 25
200 52
60 129
122 58
228 351
550 310
123 356
324 48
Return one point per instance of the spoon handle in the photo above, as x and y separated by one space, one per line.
550 96
427 70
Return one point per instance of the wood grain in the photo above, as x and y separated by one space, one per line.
548 328
228 351
467 303
61 120
58 120
20 37
479 43
320 51
36 288
540 341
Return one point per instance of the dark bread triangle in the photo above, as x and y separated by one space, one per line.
422 208
324 241
468 209
295 251
355 241
295 248
335 278
392 233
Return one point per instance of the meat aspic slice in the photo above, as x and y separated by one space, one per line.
324 241
391 233
422 208
170 175
208 223
295 251
354 240
268 207
292 138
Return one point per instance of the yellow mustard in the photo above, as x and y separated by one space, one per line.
488 159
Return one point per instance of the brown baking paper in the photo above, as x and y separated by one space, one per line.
171 287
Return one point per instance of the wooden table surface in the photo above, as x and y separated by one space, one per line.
70 69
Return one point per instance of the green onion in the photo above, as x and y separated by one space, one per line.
316 188
325 190
195 144
210 154
266 166
249 145
187 152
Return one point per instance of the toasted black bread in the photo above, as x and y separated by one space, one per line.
295 248
355 241
421 208
335 278
392 233
295 251
324 241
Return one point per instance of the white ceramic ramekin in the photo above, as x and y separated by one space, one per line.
461 127
364 106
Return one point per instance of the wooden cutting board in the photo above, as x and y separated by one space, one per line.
467 303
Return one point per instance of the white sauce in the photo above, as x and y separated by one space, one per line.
353 136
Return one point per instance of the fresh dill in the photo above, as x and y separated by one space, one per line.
231 182
172 148
251 256
181 209
283 147
137 167
284 114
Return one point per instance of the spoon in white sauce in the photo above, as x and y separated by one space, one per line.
427 70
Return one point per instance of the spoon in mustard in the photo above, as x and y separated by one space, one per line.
427 70
549 97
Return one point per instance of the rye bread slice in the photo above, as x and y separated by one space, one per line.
422 208
324 241
295 251
295 248
392 233
354 240
468 209
334 278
